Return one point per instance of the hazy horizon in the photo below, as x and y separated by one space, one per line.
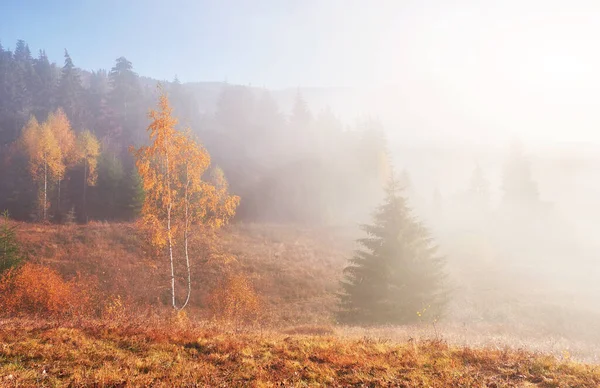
479 73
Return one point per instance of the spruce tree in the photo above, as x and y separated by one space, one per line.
125 100
70 93
134 196
397 276
301 117
110 188
22 77
45 82
520 190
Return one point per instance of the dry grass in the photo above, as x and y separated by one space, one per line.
167 353
295 272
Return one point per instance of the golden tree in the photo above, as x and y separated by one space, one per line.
60 126
45 158
177 196
88 151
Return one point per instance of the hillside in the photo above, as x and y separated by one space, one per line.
124 354
295 270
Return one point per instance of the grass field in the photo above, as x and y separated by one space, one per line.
490 336
149 353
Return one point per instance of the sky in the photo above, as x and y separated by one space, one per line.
526 66
275 43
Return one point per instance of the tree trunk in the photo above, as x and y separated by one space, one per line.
45 188
84 190
58 201
185 241
169 237
171 256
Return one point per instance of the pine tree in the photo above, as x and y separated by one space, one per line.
105 123
268 135
135 196
125 100
9 126
234 110
45 83
185 105
328 129
520 189
301 117
397 277
479 190
71 93
22 78
109 190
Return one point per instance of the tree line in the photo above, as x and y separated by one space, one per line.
67 138
296 167
67 131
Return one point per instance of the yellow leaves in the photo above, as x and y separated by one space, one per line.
52 148
172 169
176 197
89 149
234 300
61 128
41 146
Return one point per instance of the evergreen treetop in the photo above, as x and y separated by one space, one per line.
397 276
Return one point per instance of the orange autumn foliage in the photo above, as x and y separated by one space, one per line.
33 289
172 169
235 301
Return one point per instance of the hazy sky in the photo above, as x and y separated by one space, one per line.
314 42
520 66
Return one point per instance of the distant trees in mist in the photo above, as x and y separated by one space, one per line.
298 167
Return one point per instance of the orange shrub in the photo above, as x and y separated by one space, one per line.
37 290
234 300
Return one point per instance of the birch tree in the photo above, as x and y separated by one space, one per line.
45 159
65 138
177 197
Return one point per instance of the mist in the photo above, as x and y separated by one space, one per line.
485 113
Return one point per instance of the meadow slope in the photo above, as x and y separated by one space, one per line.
118 354
296 272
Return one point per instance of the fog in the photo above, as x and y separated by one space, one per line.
489 109
457 84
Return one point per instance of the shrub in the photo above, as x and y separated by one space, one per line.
234 300
40 291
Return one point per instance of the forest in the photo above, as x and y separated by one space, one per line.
296 167
152 231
